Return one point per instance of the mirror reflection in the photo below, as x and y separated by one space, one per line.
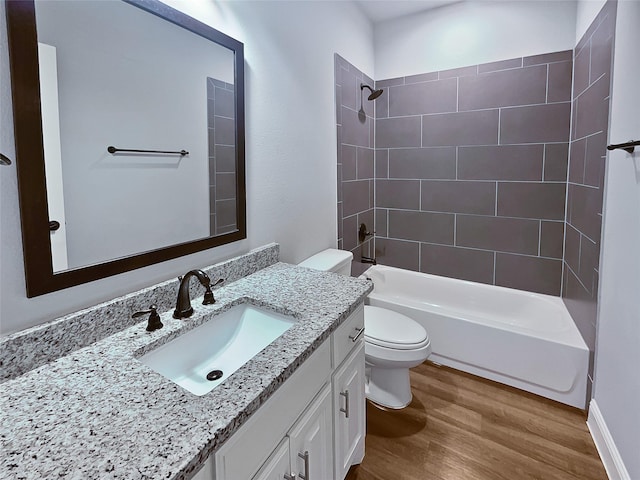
113 75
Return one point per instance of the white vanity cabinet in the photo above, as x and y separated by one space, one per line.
312 427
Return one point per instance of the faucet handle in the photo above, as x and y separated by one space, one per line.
208 294
154 319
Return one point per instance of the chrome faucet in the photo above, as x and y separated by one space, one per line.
183 304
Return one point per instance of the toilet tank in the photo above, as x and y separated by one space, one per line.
330 260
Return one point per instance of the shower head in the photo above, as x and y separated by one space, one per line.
374 93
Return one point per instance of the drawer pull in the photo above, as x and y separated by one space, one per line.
289 477
345 410
354 338
305 457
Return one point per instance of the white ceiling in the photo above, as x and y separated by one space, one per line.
381 10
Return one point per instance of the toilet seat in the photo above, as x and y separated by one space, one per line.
389 329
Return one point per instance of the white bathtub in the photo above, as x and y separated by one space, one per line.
526 340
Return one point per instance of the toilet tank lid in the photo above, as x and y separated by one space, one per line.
328 260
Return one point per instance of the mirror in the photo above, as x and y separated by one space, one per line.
129 125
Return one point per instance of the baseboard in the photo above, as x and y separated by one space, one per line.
607 449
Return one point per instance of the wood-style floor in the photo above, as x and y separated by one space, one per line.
462 427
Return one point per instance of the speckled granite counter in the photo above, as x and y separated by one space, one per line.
98 413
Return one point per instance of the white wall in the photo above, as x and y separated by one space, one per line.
469 33
617 381
138 100
290 143
586 11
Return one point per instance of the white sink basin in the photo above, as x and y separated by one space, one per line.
222 344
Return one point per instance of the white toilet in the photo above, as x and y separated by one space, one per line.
394 343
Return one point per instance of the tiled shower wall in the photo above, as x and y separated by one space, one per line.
222 156
355 124
471 169
592 80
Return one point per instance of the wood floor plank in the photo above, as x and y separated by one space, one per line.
462 427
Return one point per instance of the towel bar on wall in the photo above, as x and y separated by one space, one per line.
112 149
629 146
4 160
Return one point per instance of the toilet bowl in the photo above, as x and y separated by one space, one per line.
394 343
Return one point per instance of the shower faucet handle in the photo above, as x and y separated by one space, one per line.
363 232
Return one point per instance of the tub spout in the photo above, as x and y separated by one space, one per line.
370 260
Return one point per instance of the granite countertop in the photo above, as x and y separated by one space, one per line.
99 413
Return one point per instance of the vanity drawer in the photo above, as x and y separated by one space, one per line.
348 335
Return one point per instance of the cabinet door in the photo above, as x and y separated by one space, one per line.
349 412
310 440
277 467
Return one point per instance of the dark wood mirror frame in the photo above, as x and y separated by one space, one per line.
23 56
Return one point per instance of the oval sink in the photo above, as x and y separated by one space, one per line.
204 357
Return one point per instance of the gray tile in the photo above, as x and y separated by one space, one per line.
555 162
459 197
211 112
340 62
535 124
339 181
225 158
225 103
365 163
514 235
459 129
582 307
562 56
559 82
355 131
338 104
551 239
389 82
420 98
534 274
212 200
398 194
576 161
339 219
500 162
589 261
398 132
421 226
397 253
226 212
348 159
382 163
581 71
424 163
212 226
372 133
592 110
455 262
382 106
225 131
211 141
381 222
572 248
349 89
522 86
594 160
211 88
350 232
355 197
212 170
423 77
601 51
458 72
225 186
532 200
584 205
501 65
